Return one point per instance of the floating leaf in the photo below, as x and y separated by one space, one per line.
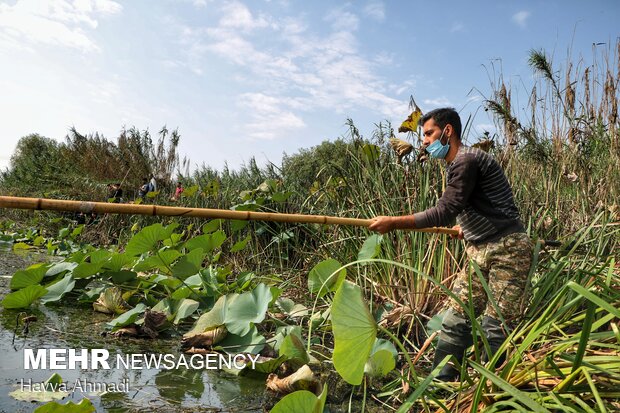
185 308
57 290
128 317
249 307
111 301
60 267
354 332
48 391
30 276
326 276
371 247
215 317
252 342
24 297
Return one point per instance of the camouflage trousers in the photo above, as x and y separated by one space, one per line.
505 266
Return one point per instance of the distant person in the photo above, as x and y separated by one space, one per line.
144 188
152 184
177 192
117 193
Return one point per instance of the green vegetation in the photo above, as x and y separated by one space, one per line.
373 317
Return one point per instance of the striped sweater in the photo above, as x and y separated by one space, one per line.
478 195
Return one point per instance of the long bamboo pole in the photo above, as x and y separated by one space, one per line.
13 202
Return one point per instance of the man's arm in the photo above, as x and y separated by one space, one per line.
383 224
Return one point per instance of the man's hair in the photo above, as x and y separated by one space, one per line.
443 117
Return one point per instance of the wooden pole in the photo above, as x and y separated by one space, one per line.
141 209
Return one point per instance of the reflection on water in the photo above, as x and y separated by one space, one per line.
76 326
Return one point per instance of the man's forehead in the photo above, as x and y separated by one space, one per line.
429 124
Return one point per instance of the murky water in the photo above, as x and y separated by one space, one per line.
78 327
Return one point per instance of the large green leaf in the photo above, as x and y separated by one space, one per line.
252 342
147 238
87 269
354 332
294 351
189 264
127 317
301 401
58 289
117 261
249 307
185 308
99 255
24 297
371 247
60 267
30 276
162 260
215 317
326 277
208 242
380 363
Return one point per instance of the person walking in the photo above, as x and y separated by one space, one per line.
480 198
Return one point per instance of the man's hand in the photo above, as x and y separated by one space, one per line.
460 235
382 224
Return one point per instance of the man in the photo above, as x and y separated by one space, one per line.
479 196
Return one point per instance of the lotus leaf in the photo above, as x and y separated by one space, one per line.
326 276
30 276
247 308
371 247
354 332
58 289
24 297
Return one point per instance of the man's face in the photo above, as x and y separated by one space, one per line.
431 132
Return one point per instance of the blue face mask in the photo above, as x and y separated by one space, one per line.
437 149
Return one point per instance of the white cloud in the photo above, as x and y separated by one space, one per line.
321 71
521 18
269 118
375 10
48 22
342 20
438 102
238 16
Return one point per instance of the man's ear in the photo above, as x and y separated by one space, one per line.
449 130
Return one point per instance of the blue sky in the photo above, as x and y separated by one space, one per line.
259 78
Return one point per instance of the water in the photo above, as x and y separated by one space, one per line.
76 326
